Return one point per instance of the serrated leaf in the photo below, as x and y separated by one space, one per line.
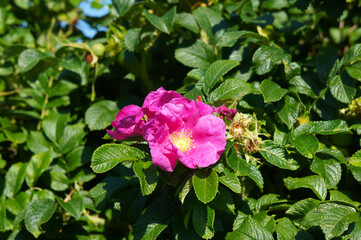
215 71
289 110
314 182
155 219
230 180
307 145
333 218
99 115
329 169
304 85
205 184
229 39
163 23
147 175
342 88
74 206
231 89
285 229
271 91
355 160
242 168
203 218
131 38
37 165
29 58
188 21
275 154
14 178
197 55
39 212
352 56
266 57
301 208
322 128
250 229
341 197
102 192
108 156
355 71
268 200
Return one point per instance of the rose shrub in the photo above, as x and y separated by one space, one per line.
174 119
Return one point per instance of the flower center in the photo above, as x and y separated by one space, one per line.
182 139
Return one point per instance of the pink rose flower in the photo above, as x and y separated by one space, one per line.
185 130
128 123
223 111
156 99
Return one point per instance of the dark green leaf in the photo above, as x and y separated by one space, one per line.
285 229
215 71
37 165
74 206
322 128
14 178
108 156
230 89
301 208
147 175
329 169
307 145
355 71
188 21
229 39
355 160
289 110
242 168
99 115
250 229
266 57
275 154
131 39
271 91
164 23
314 182
197 55
230 180
39 212
342 88
205 183
203 218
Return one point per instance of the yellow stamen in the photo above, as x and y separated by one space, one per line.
182 139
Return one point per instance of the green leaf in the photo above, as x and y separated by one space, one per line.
224 201
197 55
268 200
266 57
147 174
74 206
352 56
71 137
271 92
275 154
285 229
103 191
230 89
108 156
185 190
155 219
322 128
342 88
29 58
58 179
164 23
37 165
355 71
24 4
14 178
355 160
205 183
324 61
215 71
333 218
230 180
250 229
229 39
38 212
288 111
329 169
131 39
99 115
62 88
203 218
188 21
301 208
341 197
307 145
314 182
6 69
207 18
304 85
37 142
54 125
242 168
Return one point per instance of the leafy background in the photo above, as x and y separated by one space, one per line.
67 67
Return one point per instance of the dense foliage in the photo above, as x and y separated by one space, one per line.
292 164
